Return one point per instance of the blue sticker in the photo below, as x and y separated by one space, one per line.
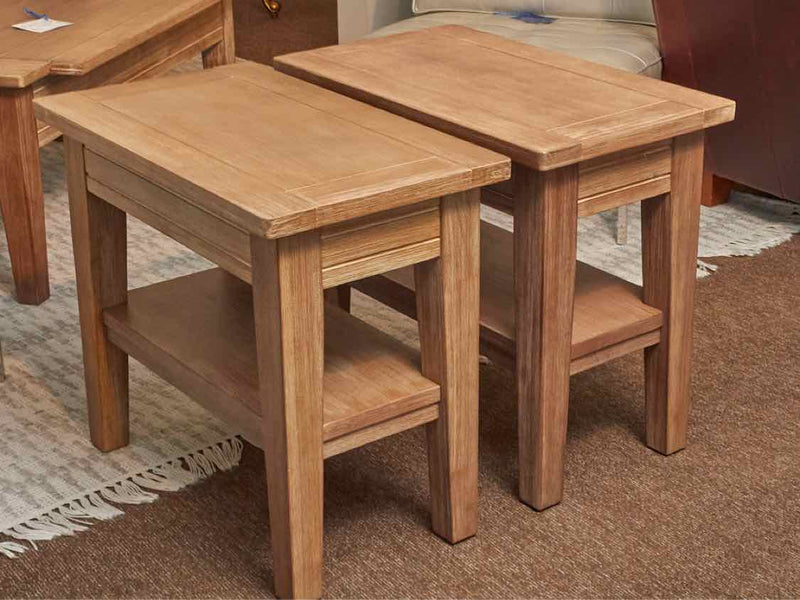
35 15
526 16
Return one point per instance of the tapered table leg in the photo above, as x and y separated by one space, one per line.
545 253
224 52
100 245
670 230
288 304
448 305
21 197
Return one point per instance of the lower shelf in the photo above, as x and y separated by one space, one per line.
610 318
197 333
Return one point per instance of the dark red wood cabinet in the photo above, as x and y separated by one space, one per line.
299 25
748 50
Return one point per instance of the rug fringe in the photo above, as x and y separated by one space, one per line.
11 549
748 246
705 269
79 514
755 244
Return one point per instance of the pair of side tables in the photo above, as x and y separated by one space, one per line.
296 192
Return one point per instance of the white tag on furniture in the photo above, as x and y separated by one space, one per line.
42 25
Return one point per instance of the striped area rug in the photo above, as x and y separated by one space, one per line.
52 480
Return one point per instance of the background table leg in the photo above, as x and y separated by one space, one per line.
448 305
99 240
340 296
288 301
545 254
224 53
21 197
670 230
622 225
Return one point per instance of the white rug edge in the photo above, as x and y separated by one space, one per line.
89 508
741 249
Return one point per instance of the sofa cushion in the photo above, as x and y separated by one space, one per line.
635 11
626 46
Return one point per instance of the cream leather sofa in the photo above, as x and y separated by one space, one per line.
618 33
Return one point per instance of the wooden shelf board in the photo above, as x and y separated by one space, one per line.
197 332
608 310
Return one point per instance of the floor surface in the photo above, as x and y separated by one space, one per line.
720 519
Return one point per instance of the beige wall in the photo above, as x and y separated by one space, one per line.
358 18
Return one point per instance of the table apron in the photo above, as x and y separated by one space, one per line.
607 182
352 250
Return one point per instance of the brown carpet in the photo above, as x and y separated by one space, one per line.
721 519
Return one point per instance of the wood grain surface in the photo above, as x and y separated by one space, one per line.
481 87
268 153
448 303
21 199
670 230
99 238
101 30
369 378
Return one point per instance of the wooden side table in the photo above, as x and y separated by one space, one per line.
109 42
584 138
295 189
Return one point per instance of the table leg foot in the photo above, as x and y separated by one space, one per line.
716 190
670 228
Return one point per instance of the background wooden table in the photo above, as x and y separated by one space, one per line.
584 138
746 50
111 41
